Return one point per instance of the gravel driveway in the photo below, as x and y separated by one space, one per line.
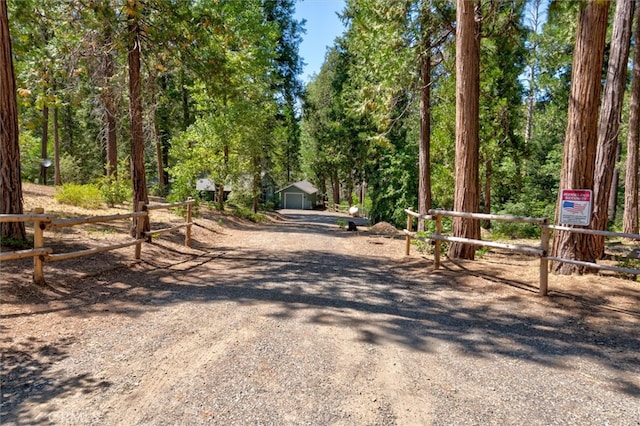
302 323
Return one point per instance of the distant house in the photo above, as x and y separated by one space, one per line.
243 183
299 195
268 186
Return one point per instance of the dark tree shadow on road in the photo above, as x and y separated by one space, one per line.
26 375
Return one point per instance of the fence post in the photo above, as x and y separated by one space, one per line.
187 235
38 242
436 250
141 207
409 226
544 262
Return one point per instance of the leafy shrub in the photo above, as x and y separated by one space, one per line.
522 230
16 244
115 190
29 157
429 229
247 214
70 169
87 196
269 206
240 197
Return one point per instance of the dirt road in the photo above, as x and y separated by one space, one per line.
302 323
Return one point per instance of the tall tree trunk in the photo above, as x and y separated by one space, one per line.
156 134
349 189
531 102
322 180
10 183
159 156
612 204
467 186
110 107
335 186
135 99
424 152
43 143
630 217
531 91
68 125
609 122
57 178
582 129
186 118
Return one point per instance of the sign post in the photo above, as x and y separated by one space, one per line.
576 206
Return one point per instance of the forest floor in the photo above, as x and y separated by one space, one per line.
297 321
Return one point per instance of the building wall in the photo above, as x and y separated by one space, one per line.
289 196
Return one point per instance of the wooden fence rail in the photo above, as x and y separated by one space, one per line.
40 221
44 222
65 223
541 252
188 220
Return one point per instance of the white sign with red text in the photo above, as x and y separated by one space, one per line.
575 206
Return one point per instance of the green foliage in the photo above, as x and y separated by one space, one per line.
423 245
480 252
525 208
29 157
87 196
342 223
70 169
429 229
443 136
247 214
241 197
15 244
115 190
629 263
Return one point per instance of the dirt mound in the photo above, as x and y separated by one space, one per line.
383 228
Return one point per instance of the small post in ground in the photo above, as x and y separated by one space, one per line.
409 226
38 242
544 263
187 236
141 207
436 249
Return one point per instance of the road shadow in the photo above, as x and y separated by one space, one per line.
26 374
386 301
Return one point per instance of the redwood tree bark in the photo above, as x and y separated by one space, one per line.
10 183
424 151
609 122
135 99
630 217
582 129
467 184
108 99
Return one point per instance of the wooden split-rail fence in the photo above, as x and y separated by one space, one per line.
541 251
43 222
